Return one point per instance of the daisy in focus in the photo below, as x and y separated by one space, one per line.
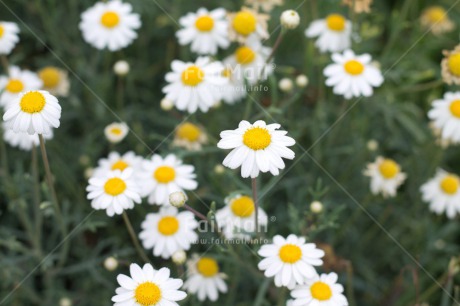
290 260
115 161
23 141
334 33
266 5
168 231
115 191
235 89
116 132
8 36
190 136
55 81
17 82
257 147
110 25
205 30
352 75
321 290
148 287
34 112
247 23
237 217
435 19
159 177
443 193
386 176
445 115
204 278
196 85
450 66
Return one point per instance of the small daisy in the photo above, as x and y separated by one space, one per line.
290 260
110 25
435 19
359 6
148 287
235 89
443 193
23 141
450 66
116 131
55 81
352 75
34 112
162 176
334 33
114 191
8 36
115 161
237 217
266 5
445 114
17 82
322 290
195 85
386 176
190 136
205 30
168 231
249 62
256 147
247 23
204 278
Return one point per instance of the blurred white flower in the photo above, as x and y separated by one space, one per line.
121 68
23 140
111 263
372 145
8 36
190 136
290 19
166 104
65 302
116 132
115 161
334 33
301 81
17 82
55 81
386 176
445 114
286 85
247 23
266 5
316 207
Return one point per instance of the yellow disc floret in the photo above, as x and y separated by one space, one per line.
32 102
336 22
354 67
188 131
168 226
147 294
389 168
50 77
2 31
257 138
436 14
114 186
455 108
245 23
321 291
450 184
207 267
110 19
245 55
14 86
120 165
204 23
192 76
242 207
453 63
290 253
164 174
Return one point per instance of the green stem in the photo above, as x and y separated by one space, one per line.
134 239
256 205
36 192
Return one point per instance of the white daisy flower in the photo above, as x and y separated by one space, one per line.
257 147
23 141
190 136
195 85
235 89
290 260
321 290
110 24
204 278
352 75
168 231
334 33
8 36
249 62
148 287
55 81
116 131
205 30
159 177
443 193
17 82
445 114
114 191
34 112
247 23
386 176
115 161
237 217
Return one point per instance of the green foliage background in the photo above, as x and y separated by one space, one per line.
375 268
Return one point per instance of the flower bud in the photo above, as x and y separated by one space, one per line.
316 207
177 199
110 263
121 68
290 19
285 85
179 257
301 81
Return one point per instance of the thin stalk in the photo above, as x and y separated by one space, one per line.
36 193
133 236
196 212
256 204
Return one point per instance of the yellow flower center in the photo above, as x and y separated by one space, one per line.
242 207
204 23
207 267
354 67
168 226
321 291
32 102
335 22
110 19
245 55
450 184
227 72
189 132
50 77
192 76
453 62
436 14
2 30
455 108
120 165
257 138
116 131
164 174
389 168
147 294
290 253
244 23
14 86
114 186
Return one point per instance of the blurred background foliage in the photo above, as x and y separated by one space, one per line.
375 268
